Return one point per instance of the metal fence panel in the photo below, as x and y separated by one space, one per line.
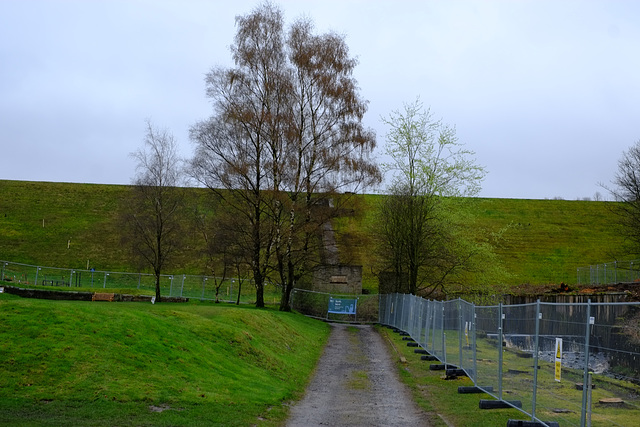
488 349
468 345
518 362
181 285
543 355
609 272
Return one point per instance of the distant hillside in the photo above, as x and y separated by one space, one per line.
70 225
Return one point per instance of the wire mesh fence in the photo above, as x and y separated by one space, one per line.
572 364
171 285
609 273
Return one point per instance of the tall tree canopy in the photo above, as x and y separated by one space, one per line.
286 131
427 164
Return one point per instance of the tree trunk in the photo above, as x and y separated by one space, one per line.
287 288
158 286
260 294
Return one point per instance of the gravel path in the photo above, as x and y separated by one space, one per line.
356 384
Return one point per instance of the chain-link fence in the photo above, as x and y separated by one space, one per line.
538 357
609 273
171 285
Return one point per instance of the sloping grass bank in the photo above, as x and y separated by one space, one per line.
76 226
100 363
536 241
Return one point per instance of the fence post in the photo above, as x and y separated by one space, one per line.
433 332
417 324
395 314
184 276
37 269
460 332
585 377
427 323
104 285
535 361
589 387
500 339
444 338
387 308
473 343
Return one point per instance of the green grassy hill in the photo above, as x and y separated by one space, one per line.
547 240
138 364
541 241
72 225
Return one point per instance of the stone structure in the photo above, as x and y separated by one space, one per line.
331 276
338 279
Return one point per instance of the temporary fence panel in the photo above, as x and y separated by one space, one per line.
173 285
608 273
519 368
467 338
488 349
574 364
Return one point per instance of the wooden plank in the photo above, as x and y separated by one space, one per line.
102 296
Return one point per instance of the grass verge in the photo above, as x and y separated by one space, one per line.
438 396
94 364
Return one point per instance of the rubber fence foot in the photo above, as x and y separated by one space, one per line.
522 423
499 404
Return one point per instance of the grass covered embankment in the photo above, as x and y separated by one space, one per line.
99 363
536 242
76 226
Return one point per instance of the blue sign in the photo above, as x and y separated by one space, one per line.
342 305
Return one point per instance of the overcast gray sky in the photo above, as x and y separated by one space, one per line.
547 93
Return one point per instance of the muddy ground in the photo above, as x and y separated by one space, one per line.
356 384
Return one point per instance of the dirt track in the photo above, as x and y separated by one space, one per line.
356 384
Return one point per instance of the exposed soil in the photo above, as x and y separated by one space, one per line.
356 384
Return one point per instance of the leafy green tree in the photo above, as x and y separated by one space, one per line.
417 234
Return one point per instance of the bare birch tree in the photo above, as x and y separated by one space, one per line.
626 190
153 211
287 130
